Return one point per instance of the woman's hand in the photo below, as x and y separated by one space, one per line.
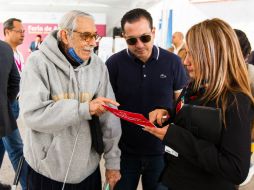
158 116
158 132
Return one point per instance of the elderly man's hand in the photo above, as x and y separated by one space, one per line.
112 177
96 108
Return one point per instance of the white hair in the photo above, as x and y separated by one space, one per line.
68 21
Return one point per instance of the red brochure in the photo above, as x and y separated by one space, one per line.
136 118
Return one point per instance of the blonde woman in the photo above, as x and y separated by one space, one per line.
219 80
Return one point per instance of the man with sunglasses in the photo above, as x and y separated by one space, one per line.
63 89
142 76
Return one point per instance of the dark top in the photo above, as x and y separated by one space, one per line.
202 165
34 46
139 88
9 88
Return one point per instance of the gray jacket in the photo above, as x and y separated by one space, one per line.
54 107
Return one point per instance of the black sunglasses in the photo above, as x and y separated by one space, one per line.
144 38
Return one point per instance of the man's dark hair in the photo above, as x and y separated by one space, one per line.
8 24
134 15
251 58
38 35
244 42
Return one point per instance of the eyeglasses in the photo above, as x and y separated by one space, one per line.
87 36
144 38
18 31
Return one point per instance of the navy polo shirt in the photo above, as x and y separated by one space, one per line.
139 88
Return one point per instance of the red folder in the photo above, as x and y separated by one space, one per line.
136 118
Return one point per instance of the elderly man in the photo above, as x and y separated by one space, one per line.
63 86
178 45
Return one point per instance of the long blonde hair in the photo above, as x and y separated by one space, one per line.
217 59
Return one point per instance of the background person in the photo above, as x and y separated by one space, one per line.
246 49
35 44
178 45
251 58
9 88
14 36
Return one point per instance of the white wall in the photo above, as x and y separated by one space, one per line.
238 13
44 17
36 13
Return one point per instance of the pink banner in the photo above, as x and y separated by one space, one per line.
31 30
